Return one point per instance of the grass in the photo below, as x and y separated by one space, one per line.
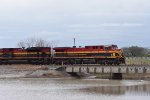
138 60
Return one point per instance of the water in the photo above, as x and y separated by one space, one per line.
73 89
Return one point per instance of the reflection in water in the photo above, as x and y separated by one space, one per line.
119 90
73 89
106 90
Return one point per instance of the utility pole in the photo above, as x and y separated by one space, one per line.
74 43
52 54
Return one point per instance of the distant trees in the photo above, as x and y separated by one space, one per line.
35 42
135 51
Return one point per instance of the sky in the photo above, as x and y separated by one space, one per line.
91 22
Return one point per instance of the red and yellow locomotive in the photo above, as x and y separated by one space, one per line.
107 55
100 54
33 55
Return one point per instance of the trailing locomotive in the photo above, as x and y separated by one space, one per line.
33 55
101 54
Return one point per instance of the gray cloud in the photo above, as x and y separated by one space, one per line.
91 22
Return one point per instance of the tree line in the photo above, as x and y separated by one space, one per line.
136 51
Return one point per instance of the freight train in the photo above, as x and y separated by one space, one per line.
97 54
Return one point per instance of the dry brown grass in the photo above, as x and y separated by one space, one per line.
138 60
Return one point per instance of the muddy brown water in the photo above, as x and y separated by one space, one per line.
73 89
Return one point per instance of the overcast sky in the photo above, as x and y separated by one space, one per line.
91 22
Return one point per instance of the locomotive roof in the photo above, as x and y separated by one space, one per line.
37 47
103 45
61 48
10 48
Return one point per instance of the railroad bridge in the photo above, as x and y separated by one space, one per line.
123 71
108 69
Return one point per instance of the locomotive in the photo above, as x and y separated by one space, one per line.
33 55
97 54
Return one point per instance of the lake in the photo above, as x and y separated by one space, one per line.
73 89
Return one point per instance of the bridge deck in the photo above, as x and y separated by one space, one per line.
107 69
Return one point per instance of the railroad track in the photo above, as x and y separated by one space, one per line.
99 65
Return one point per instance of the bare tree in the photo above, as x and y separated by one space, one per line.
36 42
30 42
21 44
